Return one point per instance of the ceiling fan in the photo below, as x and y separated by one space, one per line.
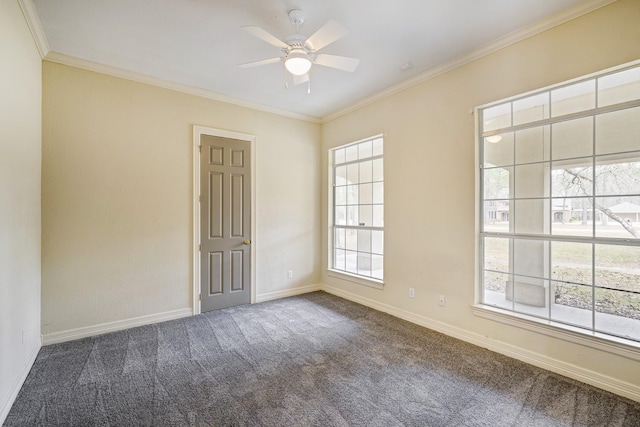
300 52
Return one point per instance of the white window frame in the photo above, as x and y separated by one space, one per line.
603 341
335 272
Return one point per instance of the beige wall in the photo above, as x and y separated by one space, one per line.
117 197
429 164
20 159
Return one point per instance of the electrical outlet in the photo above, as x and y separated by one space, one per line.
412 293
290 274
442 301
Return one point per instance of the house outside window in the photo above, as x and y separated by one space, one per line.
560 204
357 200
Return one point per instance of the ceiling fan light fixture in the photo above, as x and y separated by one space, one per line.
298 62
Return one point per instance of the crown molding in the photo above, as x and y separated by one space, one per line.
514 37
35 26
63 59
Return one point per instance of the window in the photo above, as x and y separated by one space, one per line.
357 230
560 204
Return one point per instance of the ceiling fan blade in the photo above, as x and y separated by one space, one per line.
343 63
265 36
298 80
258 63
327 34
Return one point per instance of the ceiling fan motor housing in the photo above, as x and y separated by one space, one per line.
296 44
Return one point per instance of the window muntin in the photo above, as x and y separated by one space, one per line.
560 204
358 209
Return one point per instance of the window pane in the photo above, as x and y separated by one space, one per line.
618 174
572 304
377 266
340 195
352 239
560 211
377 242
618 267
571 262
532 216
351 153
530 181
340 238
617 313
366 216
573 138
495 289
531 109
497 117
618 131
364 240
378 173
496 183
496 216
352 173
496 254
365 171
572 217
341 175
364 150
366 194
618 217
339 259
530 296
530 257
378 192
364 264
572 178
574 98
353 192
498 150
352 215
378 216
338 156
341 215
532 145
377 147
351 262
619 87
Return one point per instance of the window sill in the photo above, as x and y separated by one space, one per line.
372 283
619 346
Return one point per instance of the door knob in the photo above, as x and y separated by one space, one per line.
247 242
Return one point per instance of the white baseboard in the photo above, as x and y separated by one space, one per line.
103 328
622 388
6 404
268 296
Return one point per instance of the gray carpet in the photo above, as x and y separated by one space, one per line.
311 360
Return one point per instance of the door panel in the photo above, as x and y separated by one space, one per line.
225 232
237 279
237 211
215 204
215 273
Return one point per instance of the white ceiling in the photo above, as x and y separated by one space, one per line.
199 43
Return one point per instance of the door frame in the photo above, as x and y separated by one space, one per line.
198 131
